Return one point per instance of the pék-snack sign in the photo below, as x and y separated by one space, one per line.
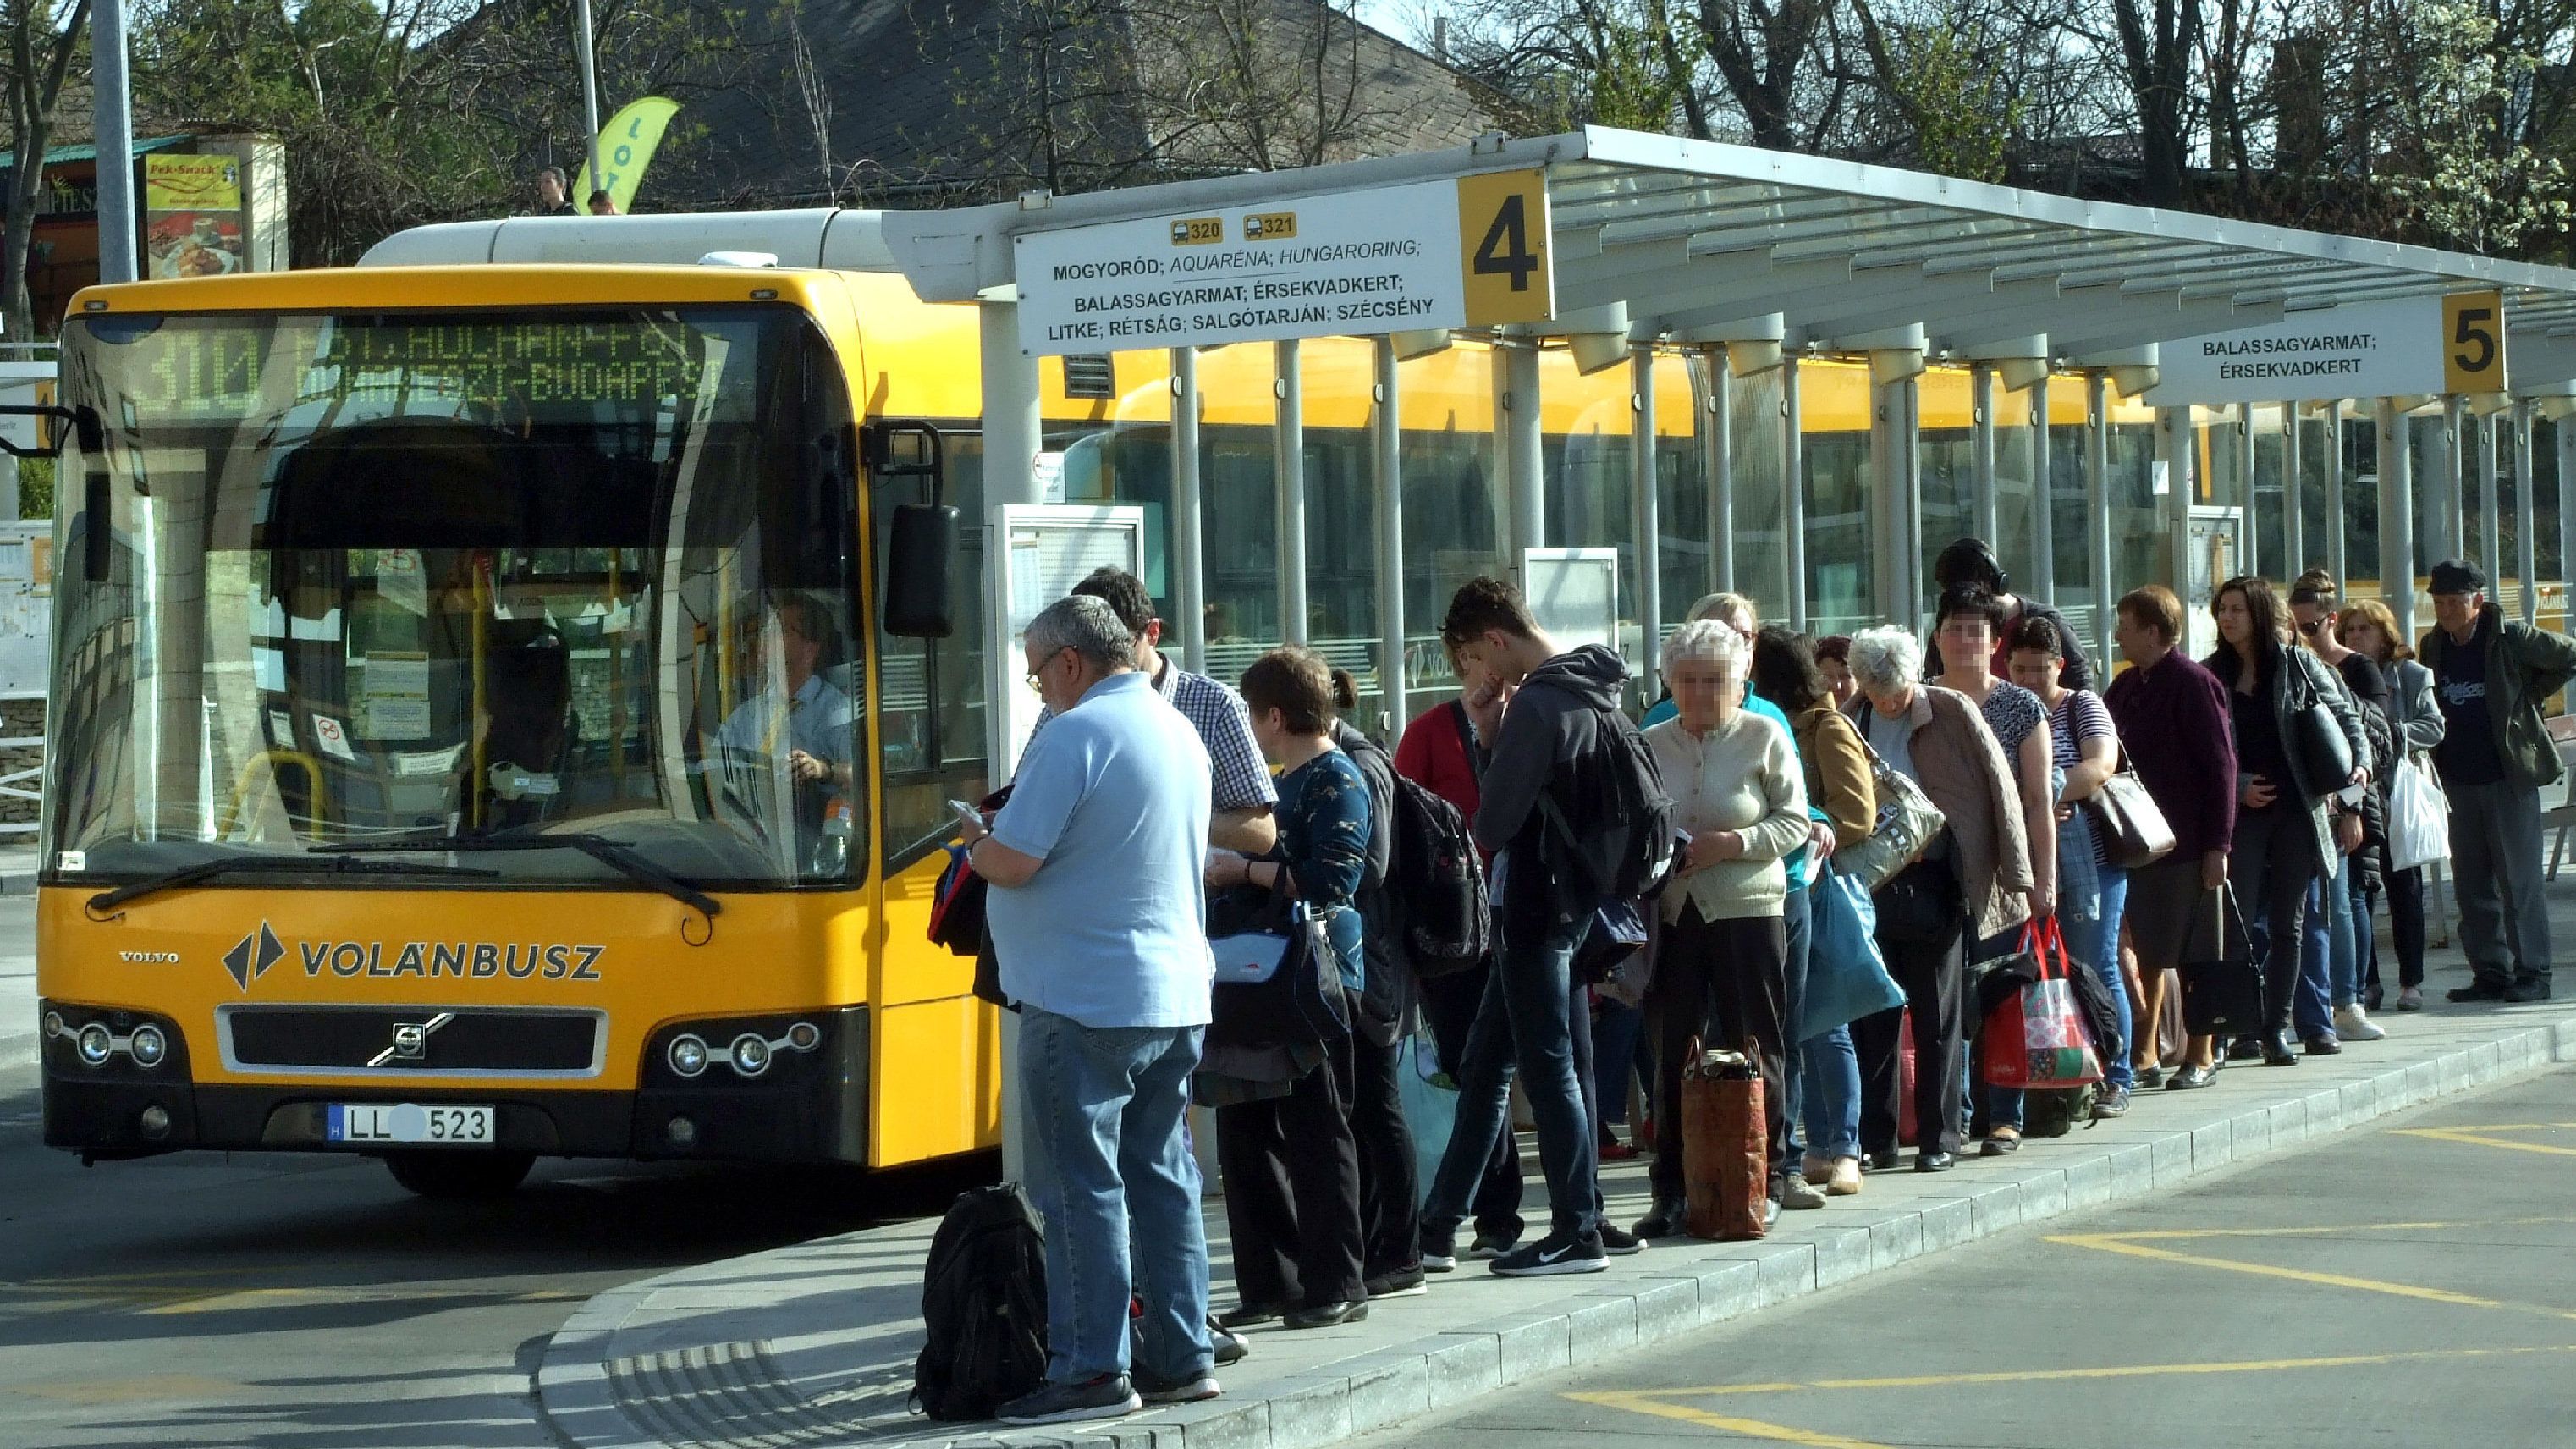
193 206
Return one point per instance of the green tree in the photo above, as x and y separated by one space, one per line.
43 37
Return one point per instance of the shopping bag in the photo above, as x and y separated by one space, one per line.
2036 1036
1846 976
1430 1098
2419 817
1726 1158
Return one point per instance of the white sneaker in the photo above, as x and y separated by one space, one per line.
2351 1023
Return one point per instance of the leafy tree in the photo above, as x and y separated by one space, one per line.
43 38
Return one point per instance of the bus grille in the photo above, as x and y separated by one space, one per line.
413 1040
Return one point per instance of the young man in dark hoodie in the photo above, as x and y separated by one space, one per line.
1533 1016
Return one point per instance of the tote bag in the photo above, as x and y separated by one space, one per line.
1846 976
2419 817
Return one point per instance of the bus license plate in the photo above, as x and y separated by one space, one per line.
440 1124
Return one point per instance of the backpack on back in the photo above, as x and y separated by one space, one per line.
1436 884
1624 829
984 1300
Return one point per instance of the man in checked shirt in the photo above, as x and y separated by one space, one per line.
1241 805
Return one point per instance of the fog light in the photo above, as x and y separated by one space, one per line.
680 1132
804 1036
148 1046
95 1044
156 1121
750 1054
688 1055
53 1023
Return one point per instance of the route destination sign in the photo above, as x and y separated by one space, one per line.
1452 253
2393 348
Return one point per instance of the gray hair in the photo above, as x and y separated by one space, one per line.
1712 606
1088 627
1710 640
1886 659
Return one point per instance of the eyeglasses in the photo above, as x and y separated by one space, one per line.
2312 626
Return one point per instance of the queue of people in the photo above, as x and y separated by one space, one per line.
1909 811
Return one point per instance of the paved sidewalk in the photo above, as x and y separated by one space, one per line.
813 1344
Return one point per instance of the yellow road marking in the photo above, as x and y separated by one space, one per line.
1621 1399
2131 1245
2326 1229
186 1387
2474 1139
1638 1403
2495 1127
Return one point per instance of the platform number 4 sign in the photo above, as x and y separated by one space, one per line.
2473 342
1505 267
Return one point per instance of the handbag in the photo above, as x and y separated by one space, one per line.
2131 826
2222 992
1294 997
1429 1097
1847 978
2324 751
2036 1036
1908 822
2419 817
1726 1158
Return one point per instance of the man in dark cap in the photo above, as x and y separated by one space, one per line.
1970 561
2490 676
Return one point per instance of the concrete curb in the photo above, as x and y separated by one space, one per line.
1598 1317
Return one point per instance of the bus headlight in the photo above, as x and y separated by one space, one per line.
804 1036
688 1055
750 1054
95 1044
147 1046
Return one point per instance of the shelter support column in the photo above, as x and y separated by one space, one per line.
1717 444
2097 510
1523 457
2294 531
2565 430
1897 481
2243 443
1981 449
1012 438
2453 478
2482 450
2336 563
2396 517
1189 563
2043 510
1386 459
2526 567
1646 501
1793 494
2173 451
1288 441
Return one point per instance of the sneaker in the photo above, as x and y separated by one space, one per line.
1489 1246
1109 1396
2484 988
1818 1170
1610 1149
1398 1283
1553 1254
1440 1249
1229 1345
1619 1242
2352 1023
2528 988
1154 1389
1845 1181
2113 1102
1796 1193
2411 999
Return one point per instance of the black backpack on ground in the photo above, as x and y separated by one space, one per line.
1436 879
984 1300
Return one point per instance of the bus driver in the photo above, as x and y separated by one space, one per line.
809 717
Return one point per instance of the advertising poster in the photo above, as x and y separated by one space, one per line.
193 216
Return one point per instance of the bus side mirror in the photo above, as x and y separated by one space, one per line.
921 538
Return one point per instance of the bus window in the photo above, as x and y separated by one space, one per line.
447 576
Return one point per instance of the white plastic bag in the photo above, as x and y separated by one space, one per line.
2419 818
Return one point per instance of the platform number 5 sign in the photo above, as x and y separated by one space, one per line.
2473 342
1507 271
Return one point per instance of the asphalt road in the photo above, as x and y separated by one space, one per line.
299 1302
2412 1284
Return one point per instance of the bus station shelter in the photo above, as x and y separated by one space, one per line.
1646 251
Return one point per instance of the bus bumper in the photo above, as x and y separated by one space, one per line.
806 1105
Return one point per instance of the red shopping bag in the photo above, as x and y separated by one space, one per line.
2035 1036
1905 1078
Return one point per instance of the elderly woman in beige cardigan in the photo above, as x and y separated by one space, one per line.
1973 882
1721 969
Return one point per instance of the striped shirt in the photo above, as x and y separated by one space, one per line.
1238 776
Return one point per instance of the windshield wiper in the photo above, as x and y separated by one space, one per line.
335 864
616 855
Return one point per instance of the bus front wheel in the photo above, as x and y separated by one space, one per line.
452 1175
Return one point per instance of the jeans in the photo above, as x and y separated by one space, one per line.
1528 1022
1797 919
1109 1166
1832 1102
2310 1015
2495 873
1449 1006
1614 1054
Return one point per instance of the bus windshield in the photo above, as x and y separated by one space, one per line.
461 578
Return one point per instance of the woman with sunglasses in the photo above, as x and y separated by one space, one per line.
2361 828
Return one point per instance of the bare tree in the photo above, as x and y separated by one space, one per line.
43 34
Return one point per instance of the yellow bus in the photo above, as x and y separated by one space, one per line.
478 727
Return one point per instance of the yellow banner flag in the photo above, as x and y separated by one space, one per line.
626 146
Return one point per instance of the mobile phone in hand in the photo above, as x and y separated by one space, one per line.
967 815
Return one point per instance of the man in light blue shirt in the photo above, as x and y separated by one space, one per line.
1097 913
806 717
